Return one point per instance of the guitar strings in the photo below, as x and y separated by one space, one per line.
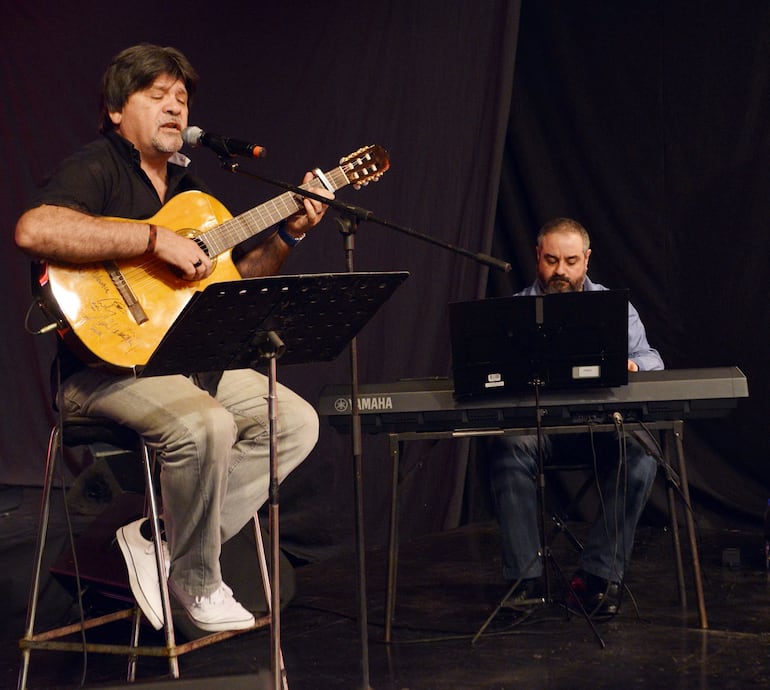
234 230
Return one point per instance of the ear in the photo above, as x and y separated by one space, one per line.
116 118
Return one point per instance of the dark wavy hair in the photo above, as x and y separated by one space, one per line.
136 68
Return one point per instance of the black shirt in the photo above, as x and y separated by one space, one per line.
105 178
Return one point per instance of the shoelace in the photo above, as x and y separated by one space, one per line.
218 596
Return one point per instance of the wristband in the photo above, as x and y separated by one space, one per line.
152 239
288 238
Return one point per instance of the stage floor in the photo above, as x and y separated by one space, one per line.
449 584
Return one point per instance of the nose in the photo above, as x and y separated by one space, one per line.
172 105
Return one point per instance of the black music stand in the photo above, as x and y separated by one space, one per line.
568 341
245 323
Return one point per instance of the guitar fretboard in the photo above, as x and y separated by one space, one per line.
248 224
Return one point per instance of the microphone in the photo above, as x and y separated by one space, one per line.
222 146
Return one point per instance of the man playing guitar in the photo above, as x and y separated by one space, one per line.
98 210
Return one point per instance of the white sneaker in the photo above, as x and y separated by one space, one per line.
217 612
139 554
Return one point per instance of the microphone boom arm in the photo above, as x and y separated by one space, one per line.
359 213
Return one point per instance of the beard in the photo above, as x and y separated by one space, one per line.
167 141
562 284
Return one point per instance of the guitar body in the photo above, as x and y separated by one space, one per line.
114 314
105 327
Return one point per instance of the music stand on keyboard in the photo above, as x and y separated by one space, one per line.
245 323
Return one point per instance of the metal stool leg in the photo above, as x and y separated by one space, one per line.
47 640
160 560
42 533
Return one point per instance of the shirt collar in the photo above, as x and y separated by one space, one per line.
179 159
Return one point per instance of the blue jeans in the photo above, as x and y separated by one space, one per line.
625 488
214 453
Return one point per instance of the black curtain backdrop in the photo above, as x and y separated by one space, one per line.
646 121
429 81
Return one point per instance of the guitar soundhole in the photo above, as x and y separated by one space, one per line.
202 245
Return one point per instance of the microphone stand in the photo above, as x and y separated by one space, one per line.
348 227
357 214
349 220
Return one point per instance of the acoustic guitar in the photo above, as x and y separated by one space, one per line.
114 314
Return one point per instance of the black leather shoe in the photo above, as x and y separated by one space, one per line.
600 598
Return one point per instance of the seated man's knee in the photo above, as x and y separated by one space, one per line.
306 419
208 432
515 453
299 425
641 468
513 465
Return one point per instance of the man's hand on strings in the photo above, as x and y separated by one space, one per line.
183 254
312 212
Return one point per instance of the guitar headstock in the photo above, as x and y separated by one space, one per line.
366 165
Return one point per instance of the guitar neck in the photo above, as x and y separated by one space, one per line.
252 222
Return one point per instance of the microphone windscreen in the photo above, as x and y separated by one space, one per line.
192 136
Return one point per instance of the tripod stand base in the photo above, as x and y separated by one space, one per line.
529 602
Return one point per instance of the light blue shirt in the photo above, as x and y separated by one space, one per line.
639 350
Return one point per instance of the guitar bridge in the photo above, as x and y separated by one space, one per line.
132 304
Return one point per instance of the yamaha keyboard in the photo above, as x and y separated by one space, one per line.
430 404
